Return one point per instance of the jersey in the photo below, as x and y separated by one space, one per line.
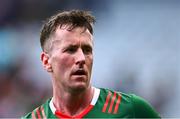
105 104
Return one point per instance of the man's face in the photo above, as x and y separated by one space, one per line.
71 58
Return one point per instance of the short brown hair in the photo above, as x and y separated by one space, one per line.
73 18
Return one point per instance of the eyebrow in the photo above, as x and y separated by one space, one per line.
86 45
77 45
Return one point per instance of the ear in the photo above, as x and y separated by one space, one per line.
45 61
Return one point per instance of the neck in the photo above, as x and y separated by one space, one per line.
71 103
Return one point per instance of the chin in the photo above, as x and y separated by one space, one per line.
79 87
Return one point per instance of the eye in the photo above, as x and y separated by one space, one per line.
71 49
87 50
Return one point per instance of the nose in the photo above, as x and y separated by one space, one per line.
80 57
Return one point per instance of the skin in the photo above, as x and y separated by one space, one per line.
69 62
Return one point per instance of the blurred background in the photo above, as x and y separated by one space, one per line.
137 50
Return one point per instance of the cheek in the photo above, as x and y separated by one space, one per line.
66 62
90 62
62 64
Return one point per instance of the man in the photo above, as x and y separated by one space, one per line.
67 44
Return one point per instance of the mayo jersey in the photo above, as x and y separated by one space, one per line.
105 104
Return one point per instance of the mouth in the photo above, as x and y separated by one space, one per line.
79 72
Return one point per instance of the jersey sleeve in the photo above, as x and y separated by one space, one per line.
142 109
27 116
35 114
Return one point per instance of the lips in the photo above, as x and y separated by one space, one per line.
79 72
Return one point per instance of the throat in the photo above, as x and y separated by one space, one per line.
72 105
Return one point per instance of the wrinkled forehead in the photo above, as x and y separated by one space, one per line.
68 31
73 36
64 32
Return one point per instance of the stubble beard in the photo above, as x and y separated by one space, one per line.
79 88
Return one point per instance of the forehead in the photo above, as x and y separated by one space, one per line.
63 34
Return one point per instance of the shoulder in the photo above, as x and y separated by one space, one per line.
128 104
116 102
141 105
111 93
39 112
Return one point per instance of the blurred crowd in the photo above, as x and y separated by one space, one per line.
136 51
18 92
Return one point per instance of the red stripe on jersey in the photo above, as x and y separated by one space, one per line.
33 115
81 115
117 104
61 115
84 112
38 113
112 102
107 101
43 113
